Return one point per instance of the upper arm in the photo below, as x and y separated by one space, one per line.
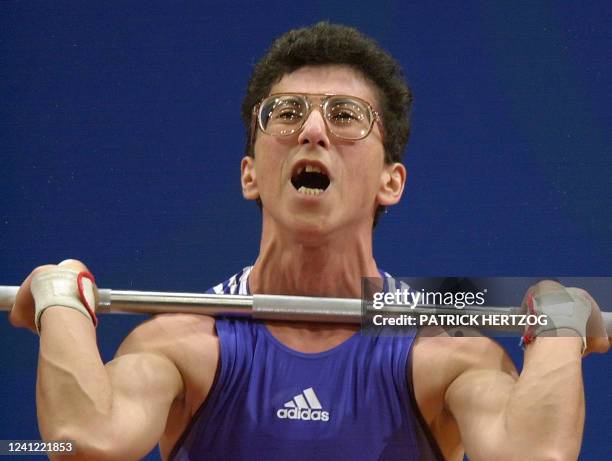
478 395
144 382
461 385
164 364
144 387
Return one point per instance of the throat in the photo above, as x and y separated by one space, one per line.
311 271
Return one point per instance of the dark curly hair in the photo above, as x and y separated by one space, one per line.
327 44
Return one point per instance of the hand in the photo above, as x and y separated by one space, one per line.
22 313
596 335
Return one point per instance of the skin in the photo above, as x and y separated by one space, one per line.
474 401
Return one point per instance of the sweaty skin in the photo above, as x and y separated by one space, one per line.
467 389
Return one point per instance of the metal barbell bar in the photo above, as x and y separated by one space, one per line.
272 307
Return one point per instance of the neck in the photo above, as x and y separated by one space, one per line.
330 266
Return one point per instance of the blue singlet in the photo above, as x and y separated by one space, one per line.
268 402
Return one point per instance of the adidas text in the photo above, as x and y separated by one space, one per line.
305 414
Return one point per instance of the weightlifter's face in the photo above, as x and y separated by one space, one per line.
355 170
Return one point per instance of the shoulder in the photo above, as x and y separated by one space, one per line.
166 332
454 355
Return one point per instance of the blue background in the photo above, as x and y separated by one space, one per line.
121 141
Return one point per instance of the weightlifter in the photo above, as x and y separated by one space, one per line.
327 117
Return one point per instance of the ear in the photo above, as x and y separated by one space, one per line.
248 178
392 181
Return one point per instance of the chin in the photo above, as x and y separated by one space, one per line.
310 229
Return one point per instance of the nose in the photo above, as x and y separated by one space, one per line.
314 130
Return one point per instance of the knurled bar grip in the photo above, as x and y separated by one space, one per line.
269 307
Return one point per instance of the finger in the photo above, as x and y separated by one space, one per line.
597 344
547 286
595 326
597 335
73 264
79 267
22 312
543 286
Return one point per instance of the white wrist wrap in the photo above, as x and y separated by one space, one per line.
58 287
564 309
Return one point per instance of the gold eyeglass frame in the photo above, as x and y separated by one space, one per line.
322 105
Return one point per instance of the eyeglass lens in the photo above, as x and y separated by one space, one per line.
345 117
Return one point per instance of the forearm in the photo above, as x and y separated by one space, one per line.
538 414
545 410
73 389
116 411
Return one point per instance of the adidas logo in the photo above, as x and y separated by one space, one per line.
304 406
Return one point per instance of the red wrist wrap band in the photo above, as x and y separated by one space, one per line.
92 311
529 335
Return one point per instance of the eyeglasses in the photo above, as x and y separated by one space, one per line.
346 117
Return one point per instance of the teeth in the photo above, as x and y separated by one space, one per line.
309 169
308 191
313 169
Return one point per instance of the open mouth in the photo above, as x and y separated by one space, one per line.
310 180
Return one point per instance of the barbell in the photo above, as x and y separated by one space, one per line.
281 307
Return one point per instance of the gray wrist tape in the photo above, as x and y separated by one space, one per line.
564 308
58 287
